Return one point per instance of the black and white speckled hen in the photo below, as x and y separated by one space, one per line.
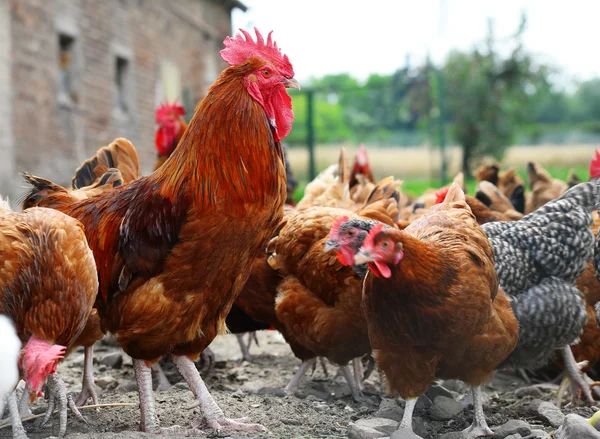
538 259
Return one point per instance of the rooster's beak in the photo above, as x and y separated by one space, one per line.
330 245
291 83
362 258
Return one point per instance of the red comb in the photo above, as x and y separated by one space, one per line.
335 227
370 239
440 195
361 155
239 49
595 165
166 112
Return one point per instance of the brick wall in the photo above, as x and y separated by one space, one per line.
53 133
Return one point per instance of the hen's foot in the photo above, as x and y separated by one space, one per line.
352 381
292 386
405 433
149 421
479 426
213 415
15 418
88 388
58 396
574 372
218 426
474 432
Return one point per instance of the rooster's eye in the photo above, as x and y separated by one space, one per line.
266 73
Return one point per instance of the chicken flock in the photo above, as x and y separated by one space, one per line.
445 286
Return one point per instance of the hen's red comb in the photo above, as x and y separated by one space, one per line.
440 195
595 166
166 112
239 49
361 155
370 239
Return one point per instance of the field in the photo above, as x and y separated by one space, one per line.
419 167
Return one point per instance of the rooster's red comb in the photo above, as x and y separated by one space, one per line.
595 165
168 111
370 239
440 195
242 47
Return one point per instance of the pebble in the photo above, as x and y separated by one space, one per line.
106 381
420 427
547 412
389 409
453 435
238 394
404 434
512 427
321 407
349 409
289 421
252 386
273 391
373 428
423 403
114 360
534 391
437 390
444 408
538 434
576 427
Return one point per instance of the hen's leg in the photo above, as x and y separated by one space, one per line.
58 395
207 361
406 423
352 382
244 347
24 409
293 384
479 426
212 412
252 336
358 371
88 388
143 375
15 418
163 382
575 375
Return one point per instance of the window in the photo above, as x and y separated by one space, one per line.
66 66
122 83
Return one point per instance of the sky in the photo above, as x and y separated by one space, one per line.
375 36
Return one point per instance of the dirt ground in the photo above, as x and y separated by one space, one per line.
322 407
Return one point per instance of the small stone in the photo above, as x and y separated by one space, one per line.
576 427
348 409
389 409
373 428
106 382
420 427
181 385
252 386
321 407
514 436
547 412
453 435
242 377
314 394
114 360
538 434
404 434
514 426
238 394
289 421
255 406
423 403
273 391
437 390
102 368
341 391
534 391
444 408
127 386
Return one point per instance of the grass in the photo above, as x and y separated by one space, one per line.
416 165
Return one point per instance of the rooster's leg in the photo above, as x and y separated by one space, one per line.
352 382
88 388
58 396
15 418
212 412
244 347
358 372
143 376
575 375
293 384
406 422
163 382
479 426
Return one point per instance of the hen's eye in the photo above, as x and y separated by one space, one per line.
266 73
350 232
385 244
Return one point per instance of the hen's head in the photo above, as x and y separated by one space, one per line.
380 250
168 119
440 195
346 236
268 80
38 360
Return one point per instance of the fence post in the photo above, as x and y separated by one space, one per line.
310 133
442 125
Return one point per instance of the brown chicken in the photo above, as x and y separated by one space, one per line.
175 248
170 130
433 304
544 188
362 167
493 198
48 285
318 300
508 182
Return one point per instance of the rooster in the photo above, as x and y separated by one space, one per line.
175 248
171 126
433 306
48 285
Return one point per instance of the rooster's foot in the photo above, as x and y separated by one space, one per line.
58 396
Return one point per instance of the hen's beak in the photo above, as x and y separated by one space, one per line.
362 258
291 83
331 245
